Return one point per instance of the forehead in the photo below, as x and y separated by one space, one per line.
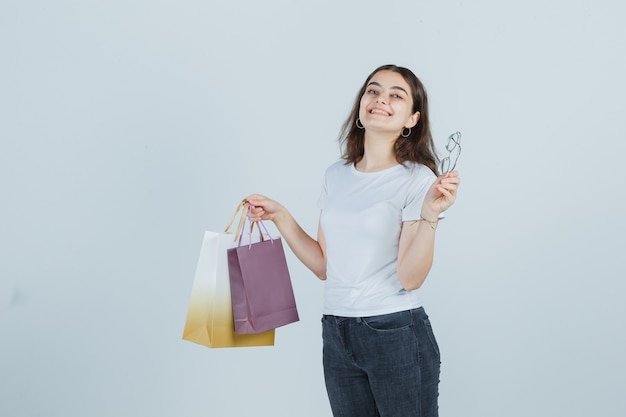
390 79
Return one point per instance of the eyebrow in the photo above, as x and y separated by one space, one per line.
395 87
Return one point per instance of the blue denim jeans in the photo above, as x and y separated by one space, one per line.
381 366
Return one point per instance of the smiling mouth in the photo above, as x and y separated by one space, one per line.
379 111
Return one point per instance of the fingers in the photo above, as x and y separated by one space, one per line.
447 187
261 207
451 176
256 199
257 214
448 194
450 181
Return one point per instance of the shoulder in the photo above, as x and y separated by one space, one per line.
418 172
337 167
338 164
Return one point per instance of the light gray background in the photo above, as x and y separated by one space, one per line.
130 127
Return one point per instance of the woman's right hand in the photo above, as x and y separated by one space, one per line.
264 208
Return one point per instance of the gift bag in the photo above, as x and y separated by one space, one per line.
260 285
209 319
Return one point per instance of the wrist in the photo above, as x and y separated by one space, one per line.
429 220
429 216
280 216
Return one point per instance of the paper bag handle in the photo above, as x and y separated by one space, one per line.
244 215
245 205
250 233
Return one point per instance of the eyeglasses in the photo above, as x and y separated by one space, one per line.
454 151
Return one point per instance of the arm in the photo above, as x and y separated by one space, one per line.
309 251
417 238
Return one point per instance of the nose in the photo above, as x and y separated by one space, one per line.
381 98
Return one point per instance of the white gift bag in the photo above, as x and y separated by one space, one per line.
210 314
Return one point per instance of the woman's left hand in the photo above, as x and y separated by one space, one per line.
441 195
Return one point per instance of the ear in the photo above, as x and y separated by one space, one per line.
415 117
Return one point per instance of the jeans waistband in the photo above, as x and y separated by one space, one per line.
342 318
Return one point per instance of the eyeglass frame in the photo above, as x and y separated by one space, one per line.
454 142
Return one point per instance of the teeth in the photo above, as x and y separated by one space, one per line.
379 112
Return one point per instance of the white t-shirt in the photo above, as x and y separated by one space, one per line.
362 215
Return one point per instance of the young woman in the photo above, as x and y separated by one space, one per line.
380 207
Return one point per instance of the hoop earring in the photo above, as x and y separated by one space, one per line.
408 134
359 124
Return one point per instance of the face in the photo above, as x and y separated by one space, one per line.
386 105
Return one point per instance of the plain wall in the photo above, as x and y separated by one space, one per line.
130 127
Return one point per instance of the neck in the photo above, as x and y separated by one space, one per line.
378 153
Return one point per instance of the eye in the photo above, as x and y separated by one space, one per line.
371 91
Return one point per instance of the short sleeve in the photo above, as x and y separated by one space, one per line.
421 181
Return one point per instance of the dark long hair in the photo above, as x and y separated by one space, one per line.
417 147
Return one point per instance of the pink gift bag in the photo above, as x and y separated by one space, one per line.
260 285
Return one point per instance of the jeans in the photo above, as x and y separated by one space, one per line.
381 366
